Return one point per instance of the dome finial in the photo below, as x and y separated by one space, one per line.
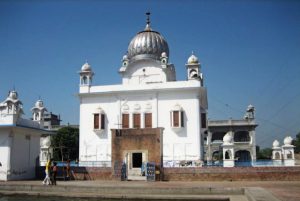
148 22
148 17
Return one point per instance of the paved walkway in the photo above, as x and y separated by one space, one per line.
283 190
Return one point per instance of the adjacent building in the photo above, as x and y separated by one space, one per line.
19 139
51 121
242 139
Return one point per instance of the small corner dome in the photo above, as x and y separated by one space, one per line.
288 140
86 67
13 95
45 142
164 54
125 57
227 139
275 143
193 59
250 108
39 103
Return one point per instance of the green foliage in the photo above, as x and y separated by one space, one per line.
265 153
296 143
66 144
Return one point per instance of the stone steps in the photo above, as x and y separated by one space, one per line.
125 190
142 192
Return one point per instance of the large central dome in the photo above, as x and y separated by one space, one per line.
147 44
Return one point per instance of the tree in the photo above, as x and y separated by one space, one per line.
296 143
66 144
265 153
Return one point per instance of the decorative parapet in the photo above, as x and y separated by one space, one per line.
231 122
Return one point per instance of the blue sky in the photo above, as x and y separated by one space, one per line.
249 51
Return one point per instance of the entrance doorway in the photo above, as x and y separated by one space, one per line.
134 160
137 160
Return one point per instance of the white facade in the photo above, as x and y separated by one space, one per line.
243 136
148 86
283 155
19 141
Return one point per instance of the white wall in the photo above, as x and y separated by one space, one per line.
95 146
184 143
150 72
178 145
4 153
24 152
7 119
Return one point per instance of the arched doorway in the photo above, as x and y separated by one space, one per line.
242 158
217 157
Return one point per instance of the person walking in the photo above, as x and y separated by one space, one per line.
68 169
47 179
54 173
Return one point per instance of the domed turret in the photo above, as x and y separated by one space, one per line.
288 140
193 59
45 142
275 143
39 104
38 112
13 104
193 68
86 67
13 95
86 74
147 44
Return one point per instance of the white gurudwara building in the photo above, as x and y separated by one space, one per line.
19 139
149 97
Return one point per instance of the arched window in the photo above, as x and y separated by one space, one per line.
289 155
125 120
228 154
99 120
136 120
243 155
177 117
148 120
84 80
37 116
193 73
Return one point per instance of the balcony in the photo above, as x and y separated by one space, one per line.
230 122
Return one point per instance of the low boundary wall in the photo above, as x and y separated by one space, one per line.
192 174
232 174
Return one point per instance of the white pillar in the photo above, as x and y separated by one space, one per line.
228 162
142 119
198 131
9 154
